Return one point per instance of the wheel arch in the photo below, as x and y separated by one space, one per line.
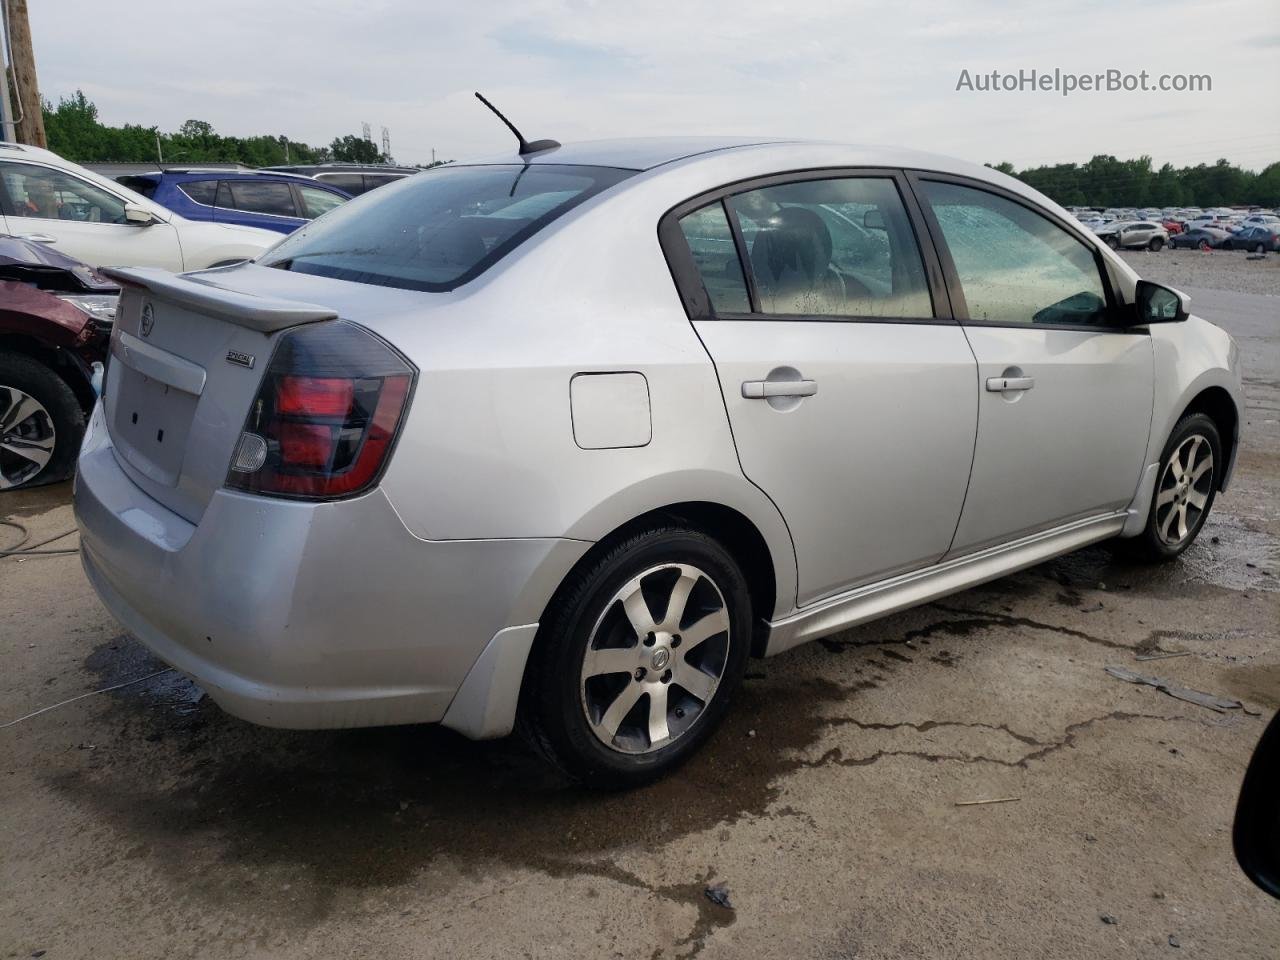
59 361
1220 407
727 526
490 697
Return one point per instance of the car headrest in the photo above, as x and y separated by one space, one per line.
794 243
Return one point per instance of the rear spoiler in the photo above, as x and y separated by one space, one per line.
264 314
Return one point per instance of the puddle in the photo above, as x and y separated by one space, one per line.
335 810
120 660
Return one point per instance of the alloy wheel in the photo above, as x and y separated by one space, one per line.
27 437
1183 492
648 678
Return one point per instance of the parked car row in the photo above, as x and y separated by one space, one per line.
1219 229
277 201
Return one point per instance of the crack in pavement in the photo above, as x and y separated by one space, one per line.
711 918
835 756
974 620
925 726
982 618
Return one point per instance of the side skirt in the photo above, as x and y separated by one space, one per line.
912 589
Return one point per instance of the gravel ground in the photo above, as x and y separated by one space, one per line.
1217 270
146 823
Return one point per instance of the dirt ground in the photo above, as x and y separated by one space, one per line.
146 823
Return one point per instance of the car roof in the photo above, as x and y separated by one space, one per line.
629 153
207 173
372 168
777 155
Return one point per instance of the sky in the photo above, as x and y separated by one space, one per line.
852 71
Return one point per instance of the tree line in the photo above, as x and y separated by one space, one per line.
1107 182
75 132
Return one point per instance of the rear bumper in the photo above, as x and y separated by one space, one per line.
305 615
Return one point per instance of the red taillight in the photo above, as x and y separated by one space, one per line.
313 396
326 415
305 444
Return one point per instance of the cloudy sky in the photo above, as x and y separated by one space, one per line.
870 72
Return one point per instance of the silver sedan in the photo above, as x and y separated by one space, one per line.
559 440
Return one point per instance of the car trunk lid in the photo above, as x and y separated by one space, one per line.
187 357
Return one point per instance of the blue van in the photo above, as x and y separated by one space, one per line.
274 201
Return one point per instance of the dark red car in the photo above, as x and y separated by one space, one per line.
55 321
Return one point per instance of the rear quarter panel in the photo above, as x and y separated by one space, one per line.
488 449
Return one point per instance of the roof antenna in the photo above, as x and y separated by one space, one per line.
526 147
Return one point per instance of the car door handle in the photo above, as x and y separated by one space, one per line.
37 237
1010 384
763 389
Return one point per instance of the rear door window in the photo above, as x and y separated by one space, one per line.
437 230
711 242
261 196
840 247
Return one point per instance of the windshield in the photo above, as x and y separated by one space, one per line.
439 229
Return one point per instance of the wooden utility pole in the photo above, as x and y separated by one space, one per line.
30 118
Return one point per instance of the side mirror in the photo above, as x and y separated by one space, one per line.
1156 304
134 213
874 220
1256 835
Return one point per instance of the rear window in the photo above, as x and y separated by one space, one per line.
143 185
437 230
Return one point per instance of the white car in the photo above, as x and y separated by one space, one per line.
47 199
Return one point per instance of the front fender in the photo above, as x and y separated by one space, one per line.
1190 358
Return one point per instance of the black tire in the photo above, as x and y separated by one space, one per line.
554 702
1259 248
1155 244
65 416
1113 243
1150 546
1206 246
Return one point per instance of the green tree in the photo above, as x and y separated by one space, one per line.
352 149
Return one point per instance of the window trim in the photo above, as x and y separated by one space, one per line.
688 279
1114 322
